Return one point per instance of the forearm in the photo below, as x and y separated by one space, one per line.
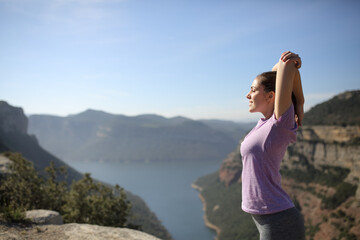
297 88
285 76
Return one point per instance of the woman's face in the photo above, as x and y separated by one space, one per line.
258 98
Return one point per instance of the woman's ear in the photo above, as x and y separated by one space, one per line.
271 95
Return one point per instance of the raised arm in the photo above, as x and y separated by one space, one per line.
299 96
287 82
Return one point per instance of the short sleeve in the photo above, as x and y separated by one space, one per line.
287 120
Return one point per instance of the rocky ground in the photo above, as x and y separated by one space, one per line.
68 232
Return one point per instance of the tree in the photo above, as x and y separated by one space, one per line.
21 189
95 203
54 192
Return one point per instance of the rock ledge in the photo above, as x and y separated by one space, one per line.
72 231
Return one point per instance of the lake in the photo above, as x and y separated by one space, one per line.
166 188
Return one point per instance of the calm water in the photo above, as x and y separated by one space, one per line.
166 188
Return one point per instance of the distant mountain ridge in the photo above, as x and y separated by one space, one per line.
97 136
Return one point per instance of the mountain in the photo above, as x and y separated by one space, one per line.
103 137
14 138
234 129
321 173
341 110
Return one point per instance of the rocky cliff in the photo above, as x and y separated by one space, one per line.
12 119
14 137
320 172
320 146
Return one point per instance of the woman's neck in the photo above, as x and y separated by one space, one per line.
268 112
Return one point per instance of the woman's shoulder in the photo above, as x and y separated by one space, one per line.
287 119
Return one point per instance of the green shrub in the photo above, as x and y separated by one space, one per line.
54 192
95 203
328 175
311 230
344 190
20 190
11 212
331 176
87 201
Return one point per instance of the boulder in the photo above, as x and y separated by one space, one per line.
40 216
4 165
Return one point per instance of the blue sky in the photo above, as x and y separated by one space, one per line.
191 58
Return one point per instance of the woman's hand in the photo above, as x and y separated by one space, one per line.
291 57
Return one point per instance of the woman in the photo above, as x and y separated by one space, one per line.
278 96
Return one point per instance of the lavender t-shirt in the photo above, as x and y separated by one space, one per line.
262 152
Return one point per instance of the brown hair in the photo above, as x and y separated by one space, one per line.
268 80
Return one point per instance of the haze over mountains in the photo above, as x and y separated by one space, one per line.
97 136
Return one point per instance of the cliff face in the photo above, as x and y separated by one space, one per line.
329 134
231 167
327 146
12 119
14 137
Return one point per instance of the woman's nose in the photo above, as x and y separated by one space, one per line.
248 95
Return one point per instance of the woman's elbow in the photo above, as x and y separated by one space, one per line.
300 100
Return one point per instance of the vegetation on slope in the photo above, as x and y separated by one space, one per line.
223 209
341 110
223 204
331 176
